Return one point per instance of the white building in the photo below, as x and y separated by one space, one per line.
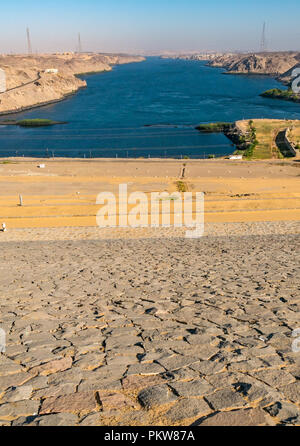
52 70
236 157
2 81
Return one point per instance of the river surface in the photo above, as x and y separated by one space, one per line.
147 109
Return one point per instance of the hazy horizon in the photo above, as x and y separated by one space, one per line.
127 26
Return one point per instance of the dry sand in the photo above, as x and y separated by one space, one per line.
64 193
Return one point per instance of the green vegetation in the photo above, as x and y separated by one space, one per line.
214 127
181 186
36 122
286 95
31 122
265 138
253 141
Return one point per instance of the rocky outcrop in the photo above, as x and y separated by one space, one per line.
287 77
28 84
260 63
199 56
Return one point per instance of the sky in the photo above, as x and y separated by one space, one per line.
146 26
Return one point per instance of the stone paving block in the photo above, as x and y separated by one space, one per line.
116 400
90 361
225 399
13 380
192 388
51 367
292 391
177 362
208 367
241 417
74 403
98 385
8 367
137 382
9 411
54 391
187 408
94 419
275 378
17 394
284 411
61 419
156 396
145 369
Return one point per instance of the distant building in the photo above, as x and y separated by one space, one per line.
2 81
51 71
236 157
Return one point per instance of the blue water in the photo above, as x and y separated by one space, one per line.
147 109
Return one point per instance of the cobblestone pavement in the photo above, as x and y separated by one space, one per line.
151 332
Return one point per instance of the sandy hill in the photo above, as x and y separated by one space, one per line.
29 85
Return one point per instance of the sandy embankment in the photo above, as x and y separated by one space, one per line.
28 85
64 193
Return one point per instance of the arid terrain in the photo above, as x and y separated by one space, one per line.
64 193
278 64
269 137
151 332
141 326
29 84
124 326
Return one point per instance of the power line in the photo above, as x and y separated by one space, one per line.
79 44
263 42
29 47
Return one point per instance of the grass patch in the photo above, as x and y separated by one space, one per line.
286 95
36 122
262 137
181 186
214 127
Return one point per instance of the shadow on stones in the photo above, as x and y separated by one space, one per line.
242 388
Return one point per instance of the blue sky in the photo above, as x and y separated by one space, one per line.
157 25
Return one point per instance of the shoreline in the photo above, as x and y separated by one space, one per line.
17 160
78 82
55 101
43 104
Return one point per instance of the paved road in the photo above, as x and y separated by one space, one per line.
151 332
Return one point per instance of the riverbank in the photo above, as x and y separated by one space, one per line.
284 95
36 81
257 138
279 65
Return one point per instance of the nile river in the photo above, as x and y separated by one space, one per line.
147 109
